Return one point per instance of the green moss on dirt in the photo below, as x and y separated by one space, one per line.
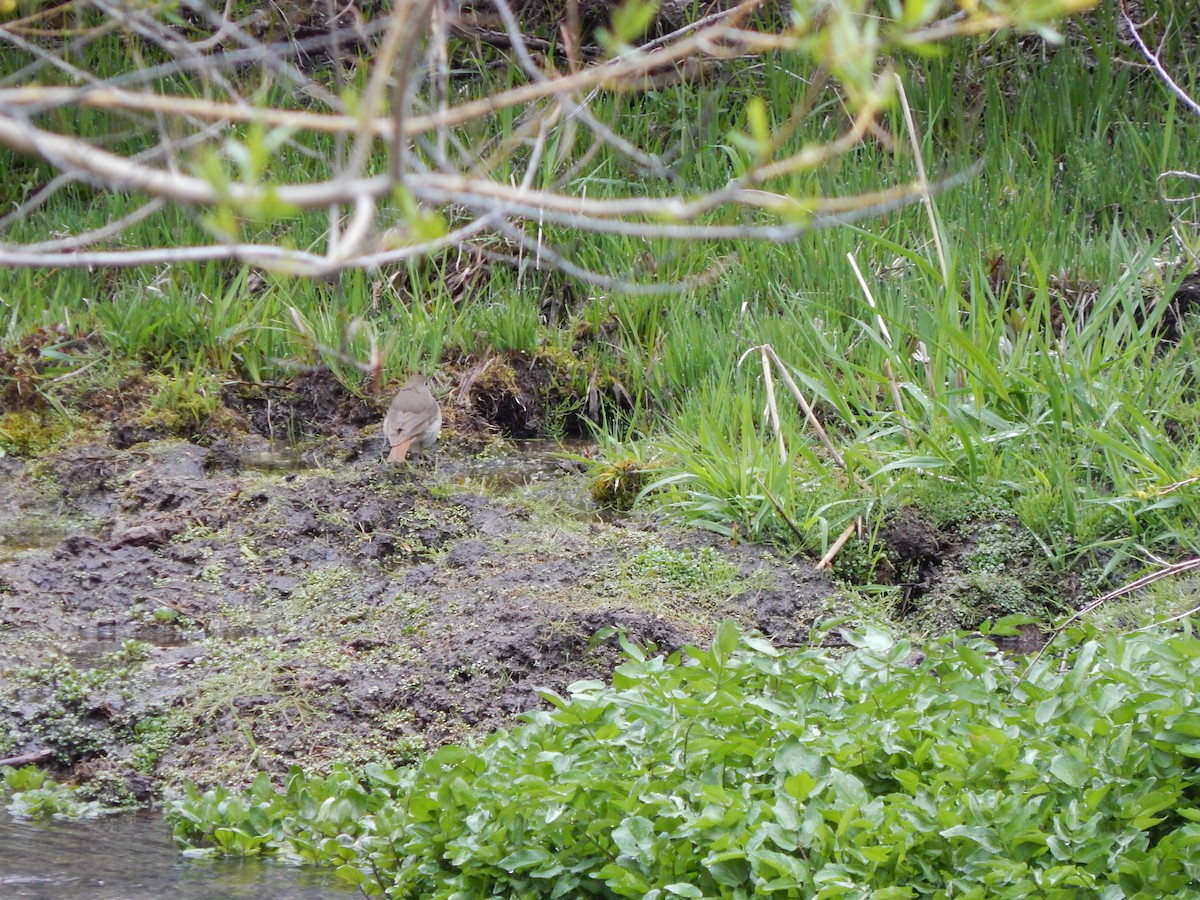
29 433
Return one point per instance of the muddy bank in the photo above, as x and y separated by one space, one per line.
213 603
172 610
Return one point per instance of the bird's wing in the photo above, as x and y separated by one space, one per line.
404 425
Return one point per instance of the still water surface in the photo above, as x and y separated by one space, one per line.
132 857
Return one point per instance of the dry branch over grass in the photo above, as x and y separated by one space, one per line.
412 144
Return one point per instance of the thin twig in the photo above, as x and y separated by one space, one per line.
1163 75
792 526
827 560
1128 588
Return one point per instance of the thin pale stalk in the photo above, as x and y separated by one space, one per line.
831 554
889 372
923 179
808 413
772 406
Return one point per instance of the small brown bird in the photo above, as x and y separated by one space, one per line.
413 421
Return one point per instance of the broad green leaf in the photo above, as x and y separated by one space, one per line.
1069 769
525 858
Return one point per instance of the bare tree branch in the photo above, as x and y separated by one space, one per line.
421 159
1163 75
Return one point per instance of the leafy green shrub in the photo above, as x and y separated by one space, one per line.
744 772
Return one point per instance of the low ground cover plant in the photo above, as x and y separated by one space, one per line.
737 770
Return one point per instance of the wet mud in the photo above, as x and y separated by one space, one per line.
170 610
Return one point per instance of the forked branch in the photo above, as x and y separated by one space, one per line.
417 159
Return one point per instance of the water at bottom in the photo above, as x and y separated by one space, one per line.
132 857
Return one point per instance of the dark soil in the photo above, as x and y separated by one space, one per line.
172 610
954 577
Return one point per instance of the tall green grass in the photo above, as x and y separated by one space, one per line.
1080 428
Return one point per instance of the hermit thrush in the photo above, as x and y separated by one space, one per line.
414 420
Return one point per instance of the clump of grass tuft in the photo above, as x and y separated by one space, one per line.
184 402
